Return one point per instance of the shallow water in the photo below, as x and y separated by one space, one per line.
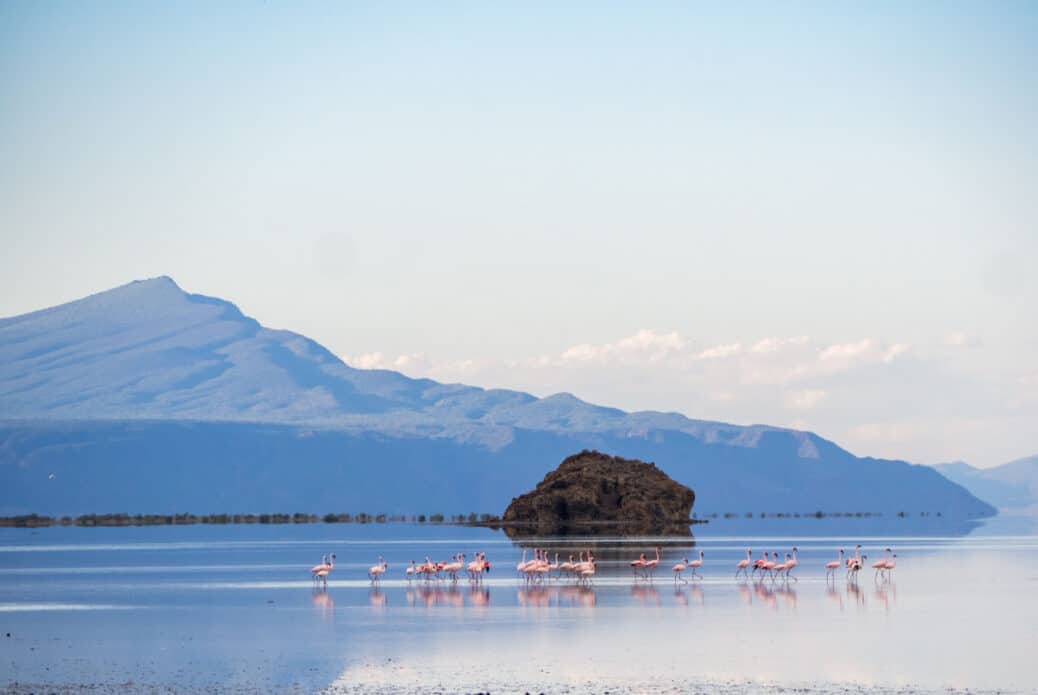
233 607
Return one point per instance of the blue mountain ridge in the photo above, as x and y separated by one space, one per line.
145 398
1012 486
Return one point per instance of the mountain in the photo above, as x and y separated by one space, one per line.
1012 486
146 398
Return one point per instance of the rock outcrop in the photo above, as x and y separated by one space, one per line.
592 492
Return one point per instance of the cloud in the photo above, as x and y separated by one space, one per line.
847 351
645 345
768 345
962 340
720 351
842 356
369 360
805 400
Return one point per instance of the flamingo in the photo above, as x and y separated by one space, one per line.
791 564
759 563
769 565
428 569
475 568
696 564
411 571
679 568
779 568
452 568
855 568
521 567
588 572
326 566
650 565
743 564
854 561
638 564
555 566
880 565
375 572
891 564
830 567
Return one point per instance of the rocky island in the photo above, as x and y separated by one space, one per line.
595 493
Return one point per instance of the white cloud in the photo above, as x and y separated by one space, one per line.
644 346
369 360
720 351
962 340
768 345
848 351
891 353
805 400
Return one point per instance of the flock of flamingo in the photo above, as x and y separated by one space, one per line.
582 569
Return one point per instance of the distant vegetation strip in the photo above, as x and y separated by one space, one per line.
472 518
37 520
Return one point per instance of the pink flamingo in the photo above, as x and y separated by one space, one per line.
758 564
769 565
588 572
452 568
831 567
880 565
856 565
326 566
791 564
891 564
856 557
650 565
679 568
375 572
555 566
475 568
521 567
638 564
744 564
696 564
779 568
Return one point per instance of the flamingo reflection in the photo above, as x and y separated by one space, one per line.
322 600
646 593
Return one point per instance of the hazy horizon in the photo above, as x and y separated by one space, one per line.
802 216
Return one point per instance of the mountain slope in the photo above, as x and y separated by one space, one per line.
148 393
1011 486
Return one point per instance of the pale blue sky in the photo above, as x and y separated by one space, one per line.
481 188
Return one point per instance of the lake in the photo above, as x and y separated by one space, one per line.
186 609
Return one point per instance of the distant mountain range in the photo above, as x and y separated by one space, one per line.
1012 486
146 398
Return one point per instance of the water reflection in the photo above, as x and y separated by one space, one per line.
429 595
614 555
324 604
562 595
645 594
855 595
886 595
377 598
834 595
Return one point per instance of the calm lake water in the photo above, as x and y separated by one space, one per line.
233 608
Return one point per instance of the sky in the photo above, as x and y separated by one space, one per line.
801 214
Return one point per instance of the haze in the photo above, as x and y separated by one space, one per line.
806 215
